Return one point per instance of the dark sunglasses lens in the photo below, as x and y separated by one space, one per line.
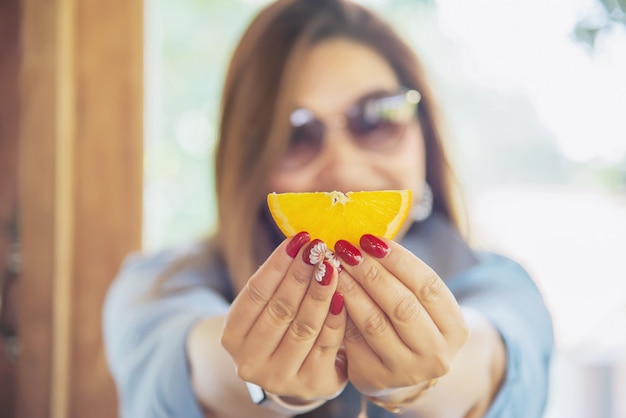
305 143
379 123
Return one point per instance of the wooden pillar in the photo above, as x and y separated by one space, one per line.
9 104
80 192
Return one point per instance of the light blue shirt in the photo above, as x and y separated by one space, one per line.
145 336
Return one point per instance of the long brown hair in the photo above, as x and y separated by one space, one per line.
255 102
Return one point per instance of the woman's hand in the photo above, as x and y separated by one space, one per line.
279 330
405 326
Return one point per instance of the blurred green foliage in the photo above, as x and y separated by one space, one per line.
608 15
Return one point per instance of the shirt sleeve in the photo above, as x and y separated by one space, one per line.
145 338
504 292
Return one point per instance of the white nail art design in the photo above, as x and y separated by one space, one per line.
333 260
320 271
317 255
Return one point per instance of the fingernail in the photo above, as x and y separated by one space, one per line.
297 242
374 246
348 252
336 303
315 252
324 273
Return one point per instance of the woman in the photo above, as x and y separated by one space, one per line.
322 95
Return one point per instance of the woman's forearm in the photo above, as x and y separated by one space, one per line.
220 392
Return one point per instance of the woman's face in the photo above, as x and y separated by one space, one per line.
335 75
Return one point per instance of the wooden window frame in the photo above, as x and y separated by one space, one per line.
80 191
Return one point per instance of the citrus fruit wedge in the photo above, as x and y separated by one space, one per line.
331 216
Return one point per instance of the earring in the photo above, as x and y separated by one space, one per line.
424 206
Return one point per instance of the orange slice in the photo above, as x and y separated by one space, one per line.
331 216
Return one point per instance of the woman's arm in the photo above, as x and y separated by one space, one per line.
145 337
213 375
504 293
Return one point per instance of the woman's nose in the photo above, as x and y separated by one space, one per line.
344 164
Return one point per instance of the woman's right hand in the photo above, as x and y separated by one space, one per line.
279 330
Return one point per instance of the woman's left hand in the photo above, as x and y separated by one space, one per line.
405 327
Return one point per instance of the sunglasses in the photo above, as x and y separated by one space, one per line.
375 122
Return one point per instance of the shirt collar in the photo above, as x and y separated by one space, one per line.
436 242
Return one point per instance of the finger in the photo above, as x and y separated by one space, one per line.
309 321
369 328
431 291
328 353
389 305
253 298
282 308
330 338
360 353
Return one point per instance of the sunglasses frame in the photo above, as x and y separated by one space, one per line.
368 108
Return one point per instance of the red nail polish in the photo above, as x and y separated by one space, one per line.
336 303
297 242
348 252
315 252
324 273
374 246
